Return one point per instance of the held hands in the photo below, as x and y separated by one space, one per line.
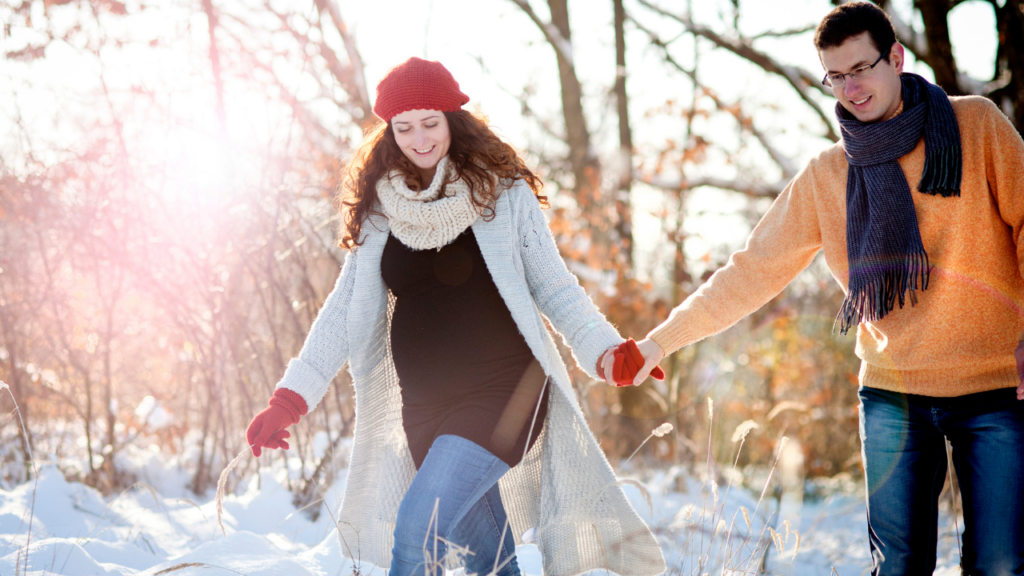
267 429
630 363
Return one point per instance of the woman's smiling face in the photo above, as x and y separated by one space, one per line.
423 137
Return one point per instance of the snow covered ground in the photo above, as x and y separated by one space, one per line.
76 531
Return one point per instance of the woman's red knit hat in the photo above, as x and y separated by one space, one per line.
417 84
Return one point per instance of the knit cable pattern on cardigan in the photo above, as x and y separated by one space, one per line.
564 487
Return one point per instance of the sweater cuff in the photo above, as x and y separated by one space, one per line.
291 402
589 351
672 335
305 381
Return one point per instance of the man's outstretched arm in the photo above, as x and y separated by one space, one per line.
782 244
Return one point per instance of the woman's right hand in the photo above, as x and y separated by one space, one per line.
606 364
629 365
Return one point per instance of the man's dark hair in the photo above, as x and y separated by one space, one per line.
849 20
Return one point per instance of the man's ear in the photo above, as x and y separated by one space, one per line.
897 57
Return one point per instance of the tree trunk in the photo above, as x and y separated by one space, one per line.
585 167
597 222
935 14
108 399
355 86
1010 60
18 393
88 422
201 479
218 82
623 204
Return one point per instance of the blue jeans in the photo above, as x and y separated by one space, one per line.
461 478
904 452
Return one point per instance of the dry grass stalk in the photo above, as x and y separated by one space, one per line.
710 532
191 503
643 491
660 431
720 527
780 545
32 464
177 567
740 434
341 538
222 485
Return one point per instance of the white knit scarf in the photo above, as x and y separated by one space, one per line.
425 219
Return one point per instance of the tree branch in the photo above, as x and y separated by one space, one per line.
907 36
355 60
917 44
782 33
751 189
211 19
302 113
524 104
551 33
801 80
784 162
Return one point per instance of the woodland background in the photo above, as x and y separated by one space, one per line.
168 231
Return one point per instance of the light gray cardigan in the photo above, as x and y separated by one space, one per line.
564 487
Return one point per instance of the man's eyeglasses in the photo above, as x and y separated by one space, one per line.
837 80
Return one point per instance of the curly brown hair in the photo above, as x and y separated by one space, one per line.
479 157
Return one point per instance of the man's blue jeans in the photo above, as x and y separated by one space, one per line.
454 498
904 452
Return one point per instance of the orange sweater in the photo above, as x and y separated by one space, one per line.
961 335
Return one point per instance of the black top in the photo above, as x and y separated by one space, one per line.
463 366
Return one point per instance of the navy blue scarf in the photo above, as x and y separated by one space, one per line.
883 242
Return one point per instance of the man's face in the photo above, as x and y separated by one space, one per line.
876 94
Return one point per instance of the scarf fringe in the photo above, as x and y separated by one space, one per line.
875 300
943 170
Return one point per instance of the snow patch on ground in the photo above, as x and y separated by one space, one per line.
77 531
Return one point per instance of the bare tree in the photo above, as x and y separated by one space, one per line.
624 160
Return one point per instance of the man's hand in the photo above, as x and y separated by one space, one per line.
653 354
1019 355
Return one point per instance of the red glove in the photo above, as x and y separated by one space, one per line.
267 429
629 361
